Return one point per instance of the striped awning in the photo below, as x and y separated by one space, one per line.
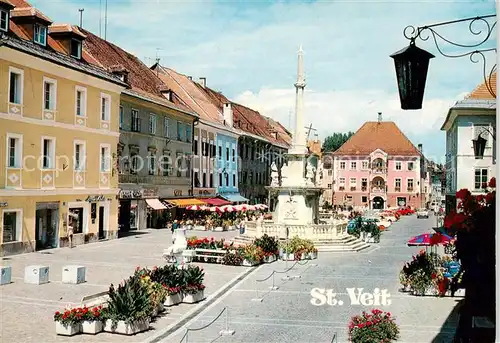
216 202
185 202
156 204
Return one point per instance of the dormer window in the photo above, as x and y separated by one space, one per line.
76 48
40 34
4 20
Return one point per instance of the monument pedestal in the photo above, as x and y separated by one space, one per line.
297 205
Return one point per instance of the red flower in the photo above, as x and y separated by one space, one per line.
492 183
463 194
57 313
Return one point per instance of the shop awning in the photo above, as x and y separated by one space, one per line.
185 202
234 197
216 202
155 204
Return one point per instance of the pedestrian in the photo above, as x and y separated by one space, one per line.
70 231
175 226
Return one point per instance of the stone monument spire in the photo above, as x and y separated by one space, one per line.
299 139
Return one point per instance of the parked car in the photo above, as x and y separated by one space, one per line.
423 213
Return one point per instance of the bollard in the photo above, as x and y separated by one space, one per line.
273 287
227 332
257 299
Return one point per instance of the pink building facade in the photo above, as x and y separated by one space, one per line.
378 179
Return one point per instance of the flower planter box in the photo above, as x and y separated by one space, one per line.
269 259
288 257
187 255
219 229
194 298
92 327
303 256
248 263
199 228
123 328
406 289
172 300
160 308
313 255
67 330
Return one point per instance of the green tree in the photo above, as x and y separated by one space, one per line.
336 140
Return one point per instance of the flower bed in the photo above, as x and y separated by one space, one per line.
135 301
374 327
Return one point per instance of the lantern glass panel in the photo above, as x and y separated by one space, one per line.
479 146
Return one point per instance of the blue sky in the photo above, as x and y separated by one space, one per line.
248 50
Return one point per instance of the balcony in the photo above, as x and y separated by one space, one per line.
152 179
379 170
378 190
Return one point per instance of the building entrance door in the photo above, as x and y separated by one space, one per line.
101 222
378 203
47 226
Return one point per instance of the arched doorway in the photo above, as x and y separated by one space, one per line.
378 203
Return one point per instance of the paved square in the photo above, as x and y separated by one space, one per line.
26 311
286 315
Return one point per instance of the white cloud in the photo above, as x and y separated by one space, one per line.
341 111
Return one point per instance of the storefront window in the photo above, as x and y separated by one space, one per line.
76 219
10 228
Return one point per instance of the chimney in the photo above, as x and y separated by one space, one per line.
420 148
190 78
203 81
380 117
228 114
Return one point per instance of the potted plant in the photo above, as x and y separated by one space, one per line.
68 322
403 280
129 308
287 251
193 287
374 327
233 257
156 291
313 253
92 320
252 255
170 278
269 246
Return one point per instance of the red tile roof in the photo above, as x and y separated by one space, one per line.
142 80
481 92
66 28
246 119
384 135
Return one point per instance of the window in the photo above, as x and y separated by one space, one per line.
40 34
220 152
49 94
398 165
364 199
188 133
211 180
179 164
136 121
152 123
76 48
233 156
397 184
81 102
12 228
342 165
166 164
353 165
166 127
353 182
152 163
227 179
180 130
14 146
213 150
329 185
348 198
227 154
204 179
4 21
16 77
121 118
196 180
79 158
409 184
220 179
480 178
234 180
105 155
364 182
195 146
365 165
134 163
342 180
105 107
410 166
330 172
48 153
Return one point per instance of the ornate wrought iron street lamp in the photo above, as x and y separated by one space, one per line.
412 63
479 144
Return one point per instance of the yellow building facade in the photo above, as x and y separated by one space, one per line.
59 132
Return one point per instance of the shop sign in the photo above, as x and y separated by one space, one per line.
4 204
95 198
205 191
178 192
150 193
130 194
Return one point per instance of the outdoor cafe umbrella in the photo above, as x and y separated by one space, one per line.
261 207
197 208
428 239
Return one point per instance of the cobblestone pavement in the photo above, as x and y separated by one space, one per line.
26 311
287 315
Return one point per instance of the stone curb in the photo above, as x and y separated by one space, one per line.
200 308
